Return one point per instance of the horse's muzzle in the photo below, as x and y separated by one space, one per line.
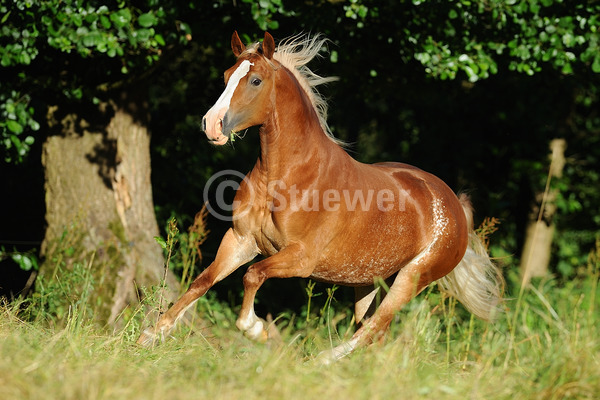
227 125
212 125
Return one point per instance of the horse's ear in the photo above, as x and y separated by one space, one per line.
268 46
236 44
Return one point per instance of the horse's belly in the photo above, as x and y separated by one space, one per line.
358 271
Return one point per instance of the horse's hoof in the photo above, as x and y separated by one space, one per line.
257 332
328 357
148 338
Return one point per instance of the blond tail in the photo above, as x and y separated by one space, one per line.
476 281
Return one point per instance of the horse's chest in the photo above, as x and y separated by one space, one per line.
269 239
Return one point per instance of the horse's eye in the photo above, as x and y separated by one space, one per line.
255 82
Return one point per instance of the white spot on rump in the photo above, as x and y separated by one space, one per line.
440 219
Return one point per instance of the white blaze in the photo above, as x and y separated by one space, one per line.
214 117
234 80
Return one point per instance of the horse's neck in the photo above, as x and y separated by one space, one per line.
292 138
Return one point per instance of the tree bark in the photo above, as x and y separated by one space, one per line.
99 207
540 230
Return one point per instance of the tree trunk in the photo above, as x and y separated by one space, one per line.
99 207
540 230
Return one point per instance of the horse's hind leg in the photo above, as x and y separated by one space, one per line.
232 253
365 299
408 283
364 302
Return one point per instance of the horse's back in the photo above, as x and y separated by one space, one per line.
415 180
394 164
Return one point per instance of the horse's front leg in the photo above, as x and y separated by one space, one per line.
289 262
233 252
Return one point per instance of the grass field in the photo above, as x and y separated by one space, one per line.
546 346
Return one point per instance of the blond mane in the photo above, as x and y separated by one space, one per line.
294 53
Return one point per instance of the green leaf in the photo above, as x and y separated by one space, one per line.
34 125
185 28
334 56
161 242
121 17
25 261
159 39
91 18
76 19
568 39
24 58
6 60
92 39
105 21
46 20
77 93
596 64
147 20
5 17
14 126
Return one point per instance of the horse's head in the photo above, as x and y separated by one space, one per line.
247 96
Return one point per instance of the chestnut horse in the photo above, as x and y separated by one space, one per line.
315 212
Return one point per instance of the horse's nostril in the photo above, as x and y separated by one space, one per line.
204 124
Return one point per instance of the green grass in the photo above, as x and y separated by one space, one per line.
546 346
